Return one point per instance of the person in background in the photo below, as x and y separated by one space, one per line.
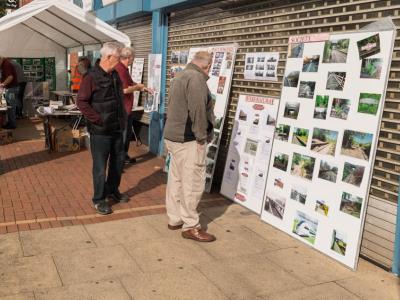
9 82
100 99
189 127
129 86
21 87
81 69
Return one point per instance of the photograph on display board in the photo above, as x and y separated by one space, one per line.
271 121
369 103
298 193
282 132
278 182
302 166
212 152
371 68
369 46
305 227
335 51
321 207
300 137
324 141
339 242
251 147
291 79
351 204
353 174
336 81
209 166
340 108
328 171
296 50
221 84
357 144
218 122
311 63
175 57
291 110
281 161
275 204
321 107
306 89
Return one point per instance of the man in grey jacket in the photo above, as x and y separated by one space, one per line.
187 130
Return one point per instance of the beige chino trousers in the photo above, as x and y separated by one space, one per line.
186 181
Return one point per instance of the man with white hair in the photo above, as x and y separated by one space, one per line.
188 128
100 99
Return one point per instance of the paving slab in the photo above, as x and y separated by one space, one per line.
248 277
86 265
172 284
57 239
309 266
121 232
10 246
24 274
99 290
23 296
326 291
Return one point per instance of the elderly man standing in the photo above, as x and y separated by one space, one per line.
187 130
9 82
100 99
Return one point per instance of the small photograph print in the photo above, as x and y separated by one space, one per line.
183 57
251 147
270 74
271 121
261 59
339 242
351 204
371 68
311 63
321 207
250 60
242 116
175 57
369 46
324 141
215 138
291 110
327 171
282 132
353 174
281 161
275 205
302 166
218 122
209 167
229 64
229 55
221 84
272 59
278 183
369 103
260 67
259 73
296 50
211 152
357 144
335 51
292 79
300 137
336 81
306 89
305 227
249 67
321 107
340 108
298 193
208 184
271 67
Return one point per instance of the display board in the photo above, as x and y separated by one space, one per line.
153 82
219 83
249 153
326 139
261 66
137 75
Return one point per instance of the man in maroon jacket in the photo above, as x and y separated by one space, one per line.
9 82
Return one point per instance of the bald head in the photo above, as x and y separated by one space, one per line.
203 60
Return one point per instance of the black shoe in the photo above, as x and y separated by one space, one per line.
102 208
118 197
129 160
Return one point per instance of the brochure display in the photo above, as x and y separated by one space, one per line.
153 82
249 153
219 83
326 139
261 66
137 75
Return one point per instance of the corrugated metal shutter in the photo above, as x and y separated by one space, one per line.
139 31
260 26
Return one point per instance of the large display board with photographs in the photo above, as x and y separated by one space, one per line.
326 138
219 83
250 147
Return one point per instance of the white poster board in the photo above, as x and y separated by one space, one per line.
261 66
249 153
326 139
219 84
137 75
153 82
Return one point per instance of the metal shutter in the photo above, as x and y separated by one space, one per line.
265 26
139 31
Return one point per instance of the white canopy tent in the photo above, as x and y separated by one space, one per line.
48 28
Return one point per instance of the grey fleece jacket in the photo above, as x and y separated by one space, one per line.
190 111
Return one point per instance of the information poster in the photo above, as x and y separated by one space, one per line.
219 83
249 153
137 75
178 61
326 139
261 66
154 82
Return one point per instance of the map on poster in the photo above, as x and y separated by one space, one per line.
326 139
153 82
249 153
219 83
178 61
261 66
137 75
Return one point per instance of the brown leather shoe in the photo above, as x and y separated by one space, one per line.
198 235
175 227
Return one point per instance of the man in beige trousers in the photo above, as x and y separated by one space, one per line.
188 128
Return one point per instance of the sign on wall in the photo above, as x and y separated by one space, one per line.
326 138
137 75
219 83
249 153
261 66
154 82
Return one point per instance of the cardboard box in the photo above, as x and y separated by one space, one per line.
6 136
66 140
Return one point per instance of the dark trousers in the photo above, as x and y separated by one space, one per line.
106 149
20 103
128 134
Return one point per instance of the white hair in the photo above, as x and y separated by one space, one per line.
203 58
127 52
111 48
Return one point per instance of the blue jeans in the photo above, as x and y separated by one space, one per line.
106 149
11 99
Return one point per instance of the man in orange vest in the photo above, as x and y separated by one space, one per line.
79 71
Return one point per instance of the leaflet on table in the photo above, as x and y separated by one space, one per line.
261 66
154 82
249 150
137 75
